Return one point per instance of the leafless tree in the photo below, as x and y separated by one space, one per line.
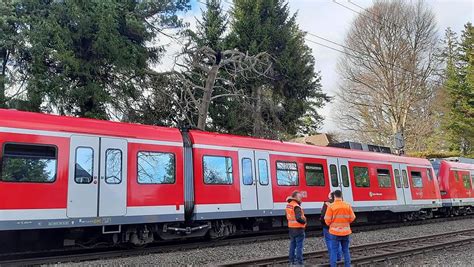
204 70
387 72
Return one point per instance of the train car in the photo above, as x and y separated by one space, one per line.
244 177
456 187
130 183
64 172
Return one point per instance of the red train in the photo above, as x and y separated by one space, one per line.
457 187
136 183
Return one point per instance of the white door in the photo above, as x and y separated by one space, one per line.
83 172
344 180
113 177
248 184
397 170
405 184
333 174
264 183
472 179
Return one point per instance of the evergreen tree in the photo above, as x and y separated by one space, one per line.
212 26
13 49
460 84
283 103
88 57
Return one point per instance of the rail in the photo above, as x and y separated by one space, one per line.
102 253
377 252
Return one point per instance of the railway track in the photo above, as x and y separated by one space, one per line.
100 253
373 253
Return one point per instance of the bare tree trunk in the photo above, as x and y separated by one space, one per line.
257 122
206 98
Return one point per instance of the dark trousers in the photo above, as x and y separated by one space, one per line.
296 246
343 242
327 240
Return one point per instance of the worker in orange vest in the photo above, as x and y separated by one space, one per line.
339 216
296 226
326 234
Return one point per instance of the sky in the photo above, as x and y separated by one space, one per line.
327 19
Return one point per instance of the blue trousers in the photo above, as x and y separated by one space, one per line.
327 240
296 248
343 242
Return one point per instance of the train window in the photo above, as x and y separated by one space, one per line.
345 176
113 166
287 173
456 175
384 178
334 179
155 168
29 163
361 176
217 170
405 178
263 172
416 179
84 165
314 174
430 175
466 181
398 182
247 175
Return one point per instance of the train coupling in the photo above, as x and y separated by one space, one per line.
185 230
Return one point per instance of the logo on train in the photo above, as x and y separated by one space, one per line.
372 194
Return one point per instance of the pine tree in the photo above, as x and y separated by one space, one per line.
13 49
212 26
458 124
88 57
460 84
278 104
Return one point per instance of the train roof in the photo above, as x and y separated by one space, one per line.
458 165
228 140
47 122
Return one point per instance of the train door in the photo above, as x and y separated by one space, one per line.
405 184
248 184
113 177
264 183
91 158
344 180
472 179
333 174
83 177
399 183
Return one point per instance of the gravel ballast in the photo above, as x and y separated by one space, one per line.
459 256
233 253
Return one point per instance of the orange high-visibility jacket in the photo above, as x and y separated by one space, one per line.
339 216
291 217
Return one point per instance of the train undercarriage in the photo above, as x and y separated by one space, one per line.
143 234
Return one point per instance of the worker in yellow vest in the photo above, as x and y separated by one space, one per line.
296 226
339 216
